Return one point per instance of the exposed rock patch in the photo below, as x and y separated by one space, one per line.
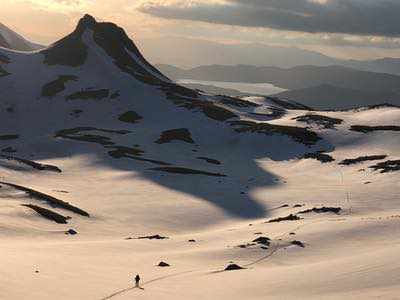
133 153
233 267
320 210
79 134
52 88
387 166
89 95
48 214
71 232
322 157
209 160
298 134
319 120
7 137
290 217
33 164
367 129
298 244
180 134
361 159
52 201
153 237
130 117
179 170
210 109
263 241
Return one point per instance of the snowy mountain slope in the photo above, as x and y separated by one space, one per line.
140 155
12 40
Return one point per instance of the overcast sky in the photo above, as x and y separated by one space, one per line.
342 28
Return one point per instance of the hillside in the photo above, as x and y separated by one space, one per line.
327 96
306 83
110 169
12 40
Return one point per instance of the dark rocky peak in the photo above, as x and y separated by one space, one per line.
87 21
72 51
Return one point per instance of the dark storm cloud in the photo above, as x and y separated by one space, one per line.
360 17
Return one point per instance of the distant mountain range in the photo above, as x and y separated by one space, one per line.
327 96
12 40
190 53
328 87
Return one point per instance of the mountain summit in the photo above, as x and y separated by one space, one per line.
72 50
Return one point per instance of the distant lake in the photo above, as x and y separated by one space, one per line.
251 88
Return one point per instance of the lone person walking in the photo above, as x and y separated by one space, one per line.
137 280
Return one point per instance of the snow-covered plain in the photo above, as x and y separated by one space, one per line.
349 255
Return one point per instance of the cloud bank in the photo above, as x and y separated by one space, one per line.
356 17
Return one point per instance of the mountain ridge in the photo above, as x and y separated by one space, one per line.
12 40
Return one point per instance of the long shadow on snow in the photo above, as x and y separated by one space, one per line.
231 193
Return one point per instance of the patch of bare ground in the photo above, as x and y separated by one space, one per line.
48 214
233 267
7 137
290 217
133 153
322 157
298 134
52 201
77 130
210 109
89 95
130 117
163 264
54 87
210 160
361 159
180 170
387 166
263 241
367 129
298 244
79 134
153 237
33 164
321 210
179 134
76 112
322 121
